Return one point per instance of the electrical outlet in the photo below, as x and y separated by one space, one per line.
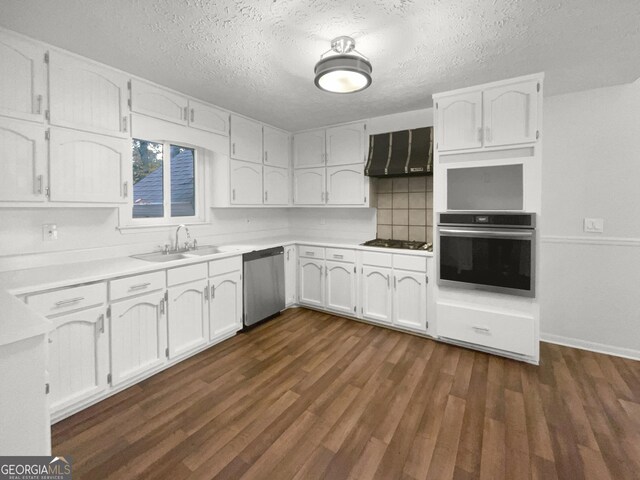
50 232
594 225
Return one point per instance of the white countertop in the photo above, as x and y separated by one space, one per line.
18 321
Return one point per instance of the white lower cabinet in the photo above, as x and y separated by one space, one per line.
290 275
341 287
188 314
311 282
138 336
376 294
410 300
225 308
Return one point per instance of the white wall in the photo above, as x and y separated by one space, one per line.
590 283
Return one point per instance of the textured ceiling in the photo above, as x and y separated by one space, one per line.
257 57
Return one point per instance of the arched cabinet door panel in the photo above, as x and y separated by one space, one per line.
459 120
410 300
276 186
345 185
246 183
225 315
311 282
376 294
188 314
511 114
158 102
341 287
309 186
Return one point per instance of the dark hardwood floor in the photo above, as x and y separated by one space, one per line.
310 395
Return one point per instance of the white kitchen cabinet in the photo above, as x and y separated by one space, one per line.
376 294
341 287
246 139
225 309
276 147
246 183
309 149
23 155
87 96
276 186
459 120
410 300
309 186
88 168
346 144
346 185
158 102
311 282
290 274
23 80
138 331
208 118
510 114
188 313
78 358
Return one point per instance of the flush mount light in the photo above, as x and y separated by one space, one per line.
346 71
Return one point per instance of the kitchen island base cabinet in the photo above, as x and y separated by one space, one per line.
341 287
138 337
311 282
187 314
376 294
225 312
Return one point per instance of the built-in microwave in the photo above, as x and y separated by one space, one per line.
487 251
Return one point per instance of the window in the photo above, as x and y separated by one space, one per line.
165 183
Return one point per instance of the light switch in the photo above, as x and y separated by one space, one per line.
594 225
50 232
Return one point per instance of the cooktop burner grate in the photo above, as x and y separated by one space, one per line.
387 243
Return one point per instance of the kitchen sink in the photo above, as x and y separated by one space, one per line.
161 257
205 250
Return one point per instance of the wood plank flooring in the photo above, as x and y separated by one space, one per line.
309 396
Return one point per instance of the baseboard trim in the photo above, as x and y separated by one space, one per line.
622 352
596 240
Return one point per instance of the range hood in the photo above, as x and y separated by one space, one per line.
403 153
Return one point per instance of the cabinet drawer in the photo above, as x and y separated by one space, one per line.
375 258
310 251
410 262
341 255
225 265
68 299
127 287
190 273
499 330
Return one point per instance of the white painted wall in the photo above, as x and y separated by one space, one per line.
590 283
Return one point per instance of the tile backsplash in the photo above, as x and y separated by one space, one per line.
405 208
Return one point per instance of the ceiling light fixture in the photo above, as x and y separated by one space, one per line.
347 71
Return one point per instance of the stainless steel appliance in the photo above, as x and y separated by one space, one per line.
487 251
403 153
385 243
263 284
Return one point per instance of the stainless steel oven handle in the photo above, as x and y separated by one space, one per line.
486 233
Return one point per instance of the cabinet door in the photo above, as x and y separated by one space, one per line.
276 186
205 117
459 120
23 79
308 186
311 282
345 144
246 183
276 147
158 102
78 357
87 96
341 287
23 157
345 185
225 310
376 294
188 317
87 168
290 275
246 139
309 149
410 300
510 114
138 336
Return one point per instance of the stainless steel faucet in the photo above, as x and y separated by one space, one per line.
176 245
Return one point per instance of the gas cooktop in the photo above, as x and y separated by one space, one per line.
384 243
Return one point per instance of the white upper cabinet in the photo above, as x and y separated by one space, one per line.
88 168
246 183
87 96
246 139
309 186
158 102
225 311
459 120
188 315
309 149
23 80
208 118
341 287
276 186
511 114
410 300
345 185
376 294
276 147
346 144
23 157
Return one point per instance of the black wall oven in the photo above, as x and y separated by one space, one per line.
487 251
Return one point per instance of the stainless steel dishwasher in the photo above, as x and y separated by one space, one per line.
263 284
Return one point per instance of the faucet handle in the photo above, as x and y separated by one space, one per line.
195 244
166 249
